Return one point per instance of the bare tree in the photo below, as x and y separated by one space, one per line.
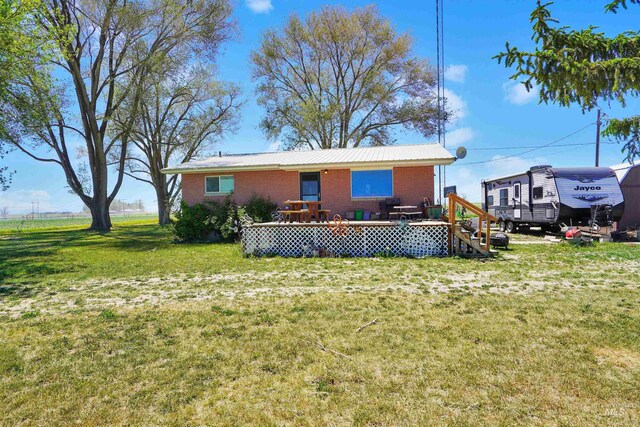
181 116
4 212
340 79
103 51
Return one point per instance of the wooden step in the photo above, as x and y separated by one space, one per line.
473 242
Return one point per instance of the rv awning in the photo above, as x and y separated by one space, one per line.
397 155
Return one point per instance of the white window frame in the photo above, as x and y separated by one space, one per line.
506 189
219 193
351 171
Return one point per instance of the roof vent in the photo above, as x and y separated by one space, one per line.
219 153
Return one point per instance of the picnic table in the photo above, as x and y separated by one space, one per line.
406 211
296 211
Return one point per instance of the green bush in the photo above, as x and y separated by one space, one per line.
259 208
196 223
191 223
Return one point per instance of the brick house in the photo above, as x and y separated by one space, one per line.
343 179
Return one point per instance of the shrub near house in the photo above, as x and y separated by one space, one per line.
218 220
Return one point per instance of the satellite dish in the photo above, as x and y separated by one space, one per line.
461 153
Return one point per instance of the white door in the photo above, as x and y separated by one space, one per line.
517 201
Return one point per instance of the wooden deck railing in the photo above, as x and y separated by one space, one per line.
483 217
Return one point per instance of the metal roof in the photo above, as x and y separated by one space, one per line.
396 155
623 169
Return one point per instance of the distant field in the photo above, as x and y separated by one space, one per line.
19 224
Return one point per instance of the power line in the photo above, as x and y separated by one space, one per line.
527 151
527 158
528 146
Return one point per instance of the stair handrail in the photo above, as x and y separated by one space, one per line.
483 216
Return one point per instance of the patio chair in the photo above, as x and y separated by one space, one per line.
386 206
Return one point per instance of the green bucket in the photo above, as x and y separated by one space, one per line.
358 215
434 212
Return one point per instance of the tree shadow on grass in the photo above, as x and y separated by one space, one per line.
38 254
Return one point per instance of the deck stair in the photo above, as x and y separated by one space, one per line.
465 240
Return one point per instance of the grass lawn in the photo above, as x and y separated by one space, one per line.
128 328
16 225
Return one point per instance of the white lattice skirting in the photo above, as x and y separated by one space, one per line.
294 240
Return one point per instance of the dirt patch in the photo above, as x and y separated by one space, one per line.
94 294
622 358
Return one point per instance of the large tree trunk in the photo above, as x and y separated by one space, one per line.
164 204
100 218
164 213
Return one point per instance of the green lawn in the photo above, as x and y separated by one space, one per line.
129 328
16 225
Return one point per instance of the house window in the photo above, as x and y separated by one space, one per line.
504 197
372 183
537 193
218 184
490 200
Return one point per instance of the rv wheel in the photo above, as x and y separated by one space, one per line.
501 226
510 227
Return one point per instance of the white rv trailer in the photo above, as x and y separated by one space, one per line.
551 197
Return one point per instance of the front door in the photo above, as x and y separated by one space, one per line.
310 186
517 201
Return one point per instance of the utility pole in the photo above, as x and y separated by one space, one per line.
441 101
438 100
598 139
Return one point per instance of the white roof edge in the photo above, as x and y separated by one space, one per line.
307 166
389 156
622 169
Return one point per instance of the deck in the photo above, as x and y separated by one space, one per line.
354 238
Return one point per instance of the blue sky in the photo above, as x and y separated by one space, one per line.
493 112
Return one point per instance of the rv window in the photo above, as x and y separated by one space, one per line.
504 197
516 191
537 193
490 200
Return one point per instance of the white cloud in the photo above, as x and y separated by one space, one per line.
20 201
467 179
455 104
260 6
517 94
457 137
456 73
507 165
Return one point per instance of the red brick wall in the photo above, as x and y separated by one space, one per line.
276 184
410 185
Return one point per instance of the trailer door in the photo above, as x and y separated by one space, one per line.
517 201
